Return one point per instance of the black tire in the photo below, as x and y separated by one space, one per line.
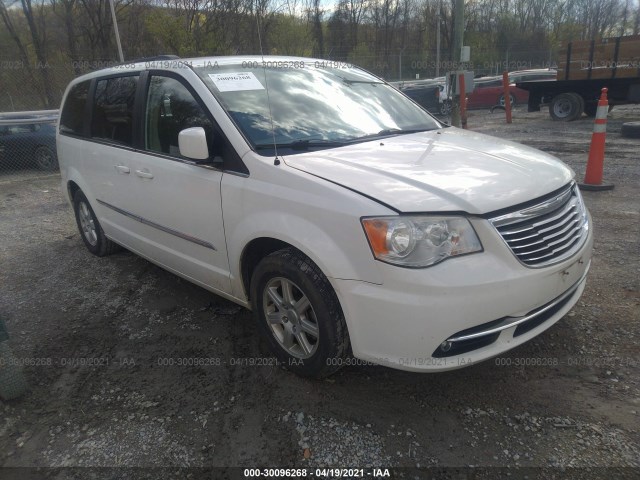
581 102
12 381
45 159
630 130
310 355
90 230
445 107
511 98
566 107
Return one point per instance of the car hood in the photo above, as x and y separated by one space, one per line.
442 170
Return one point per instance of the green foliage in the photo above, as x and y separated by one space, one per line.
290 36
169 32
383 36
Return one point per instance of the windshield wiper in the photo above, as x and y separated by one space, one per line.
367 82
307 143
303 144
389 132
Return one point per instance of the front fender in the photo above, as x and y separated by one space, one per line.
333 259
317 217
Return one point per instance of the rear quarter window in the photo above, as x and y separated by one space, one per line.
72 117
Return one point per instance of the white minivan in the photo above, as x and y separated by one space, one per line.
352 222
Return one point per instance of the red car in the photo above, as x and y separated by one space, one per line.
489 92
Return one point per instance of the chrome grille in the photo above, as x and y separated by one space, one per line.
546 233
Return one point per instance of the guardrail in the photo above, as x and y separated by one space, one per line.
29 117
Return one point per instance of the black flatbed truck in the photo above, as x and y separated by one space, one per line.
568 99
588 66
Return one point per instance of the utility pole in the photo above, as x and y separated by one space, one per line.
401 50
438 42
115 28
458 41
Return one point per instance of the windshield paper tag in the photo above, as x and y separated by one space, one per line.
236 82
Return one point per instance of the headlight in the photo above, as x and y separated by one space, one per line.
420 241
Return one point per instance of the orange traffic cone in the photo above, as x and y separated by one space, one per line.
595 164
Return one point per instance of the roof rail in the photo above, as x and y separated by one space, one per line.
155 58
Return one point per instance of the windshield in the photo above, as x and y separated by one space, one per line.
313 104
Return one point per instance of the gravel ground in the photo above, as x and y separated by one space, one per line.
96 335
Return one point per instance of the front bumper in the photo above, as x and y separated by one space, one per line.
483 304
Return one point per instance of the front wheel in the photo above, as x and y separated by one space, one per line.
12 382
299 314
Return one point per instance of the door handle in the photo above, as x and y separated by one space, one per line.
122 169
144 173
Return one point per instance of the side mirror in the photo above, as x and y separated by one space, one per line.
192 143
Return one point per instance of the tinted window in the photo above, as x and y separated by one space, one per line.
113 109
170 109
72 117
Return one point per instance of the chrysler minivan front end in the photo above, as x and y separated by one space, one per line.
343 214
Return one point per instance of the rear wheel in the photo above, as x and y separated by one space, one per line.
45 159
299 314
90 230
566 107
445 107
501 101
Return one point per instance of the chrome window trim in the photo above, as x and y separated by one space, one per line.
162 228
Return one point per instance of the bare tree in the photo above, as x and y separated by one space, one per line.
36 22
8 23
66 9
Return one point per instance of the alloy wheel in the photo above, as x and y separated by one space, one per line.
291 317
87 224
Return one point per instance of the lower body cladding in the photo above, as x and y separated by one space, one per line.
461 311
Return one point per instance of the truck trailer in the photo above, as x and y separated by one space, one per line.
588 67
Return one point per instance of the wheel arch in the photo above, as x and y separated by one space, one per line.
253 253
339 250
72 188
323 252
74 182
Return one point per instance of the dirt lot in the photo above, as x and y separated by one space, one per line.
96 334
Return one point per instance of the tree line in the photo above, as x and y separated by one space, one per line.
47 42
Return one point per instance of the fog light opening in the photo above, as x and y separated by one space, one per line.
446 346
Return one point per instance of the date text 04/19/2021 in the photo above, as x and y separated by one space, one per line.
318 472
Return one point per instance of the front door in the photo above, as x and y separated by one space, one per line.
149 198
178 207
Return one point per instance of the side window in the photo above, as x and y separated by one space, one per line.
113 109
170 109
72 116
